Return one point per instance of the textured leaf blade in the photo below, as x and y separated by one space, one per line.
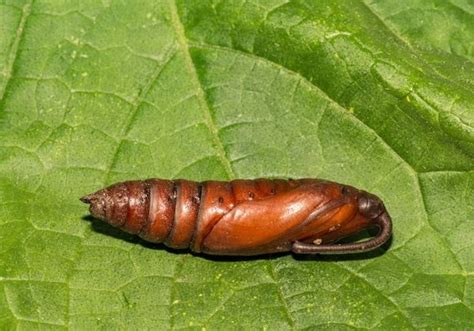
93 93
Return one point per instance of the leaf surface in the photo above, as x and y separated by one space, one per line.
376 94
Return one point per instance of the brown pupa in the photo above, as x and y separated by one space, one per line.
244 217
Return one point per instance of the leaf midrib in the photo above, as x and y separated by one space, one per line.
13 53
180 34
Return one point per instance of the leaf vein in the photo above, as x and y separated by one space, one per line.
12 57
169 54
184 45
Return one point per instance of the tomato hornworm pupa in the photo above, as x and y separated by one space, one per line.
244 217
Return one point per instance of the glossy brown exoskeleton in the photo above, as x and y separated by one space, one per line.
244 217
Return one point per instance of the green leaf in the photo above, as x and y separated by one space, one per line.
376 94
